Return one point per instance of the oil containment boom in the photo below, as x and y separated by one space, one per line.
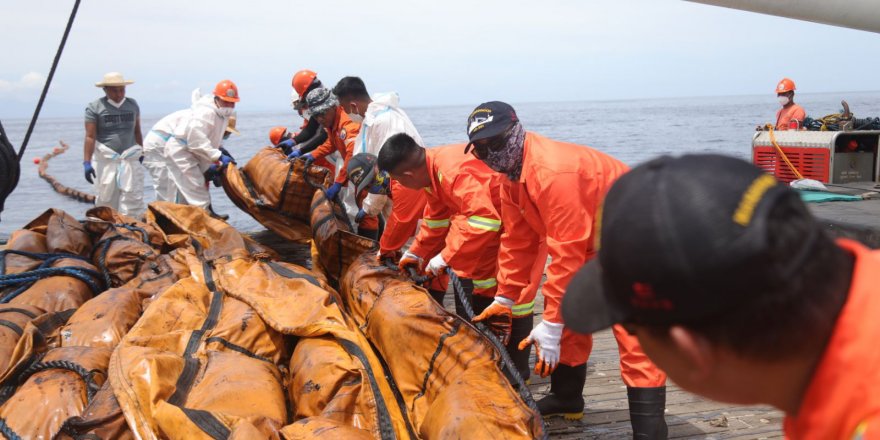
853 14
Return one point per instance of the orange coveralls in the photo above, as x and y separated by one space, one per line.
551 208
406 211
786 114
340 138
842 400
461 216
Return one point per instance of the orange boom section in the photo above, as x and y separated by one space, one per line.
276 192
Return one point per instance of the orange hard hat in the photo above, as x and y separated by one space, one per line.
786 85
302 80
276 135
227 91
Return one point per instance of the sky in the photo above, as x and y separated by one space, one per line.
450 52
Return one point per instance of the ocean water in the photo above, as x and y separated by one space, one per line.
633 131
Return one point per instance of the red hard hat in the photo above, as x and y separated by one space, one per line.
227 91
302 80
786 85
276 135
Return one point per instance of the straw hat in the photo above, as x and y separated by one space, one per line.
230 125
113 79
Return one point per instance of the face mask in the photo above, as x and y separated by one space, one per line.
225 112
116 104
356 118
306 114
783 100
509 159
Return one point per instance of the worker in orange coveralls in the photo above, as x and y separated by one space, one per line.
734 289
341 133
790 116
399 206
551 193
461 226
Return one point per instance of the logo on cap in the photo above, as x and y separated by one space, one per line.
478 122
230 92
645 298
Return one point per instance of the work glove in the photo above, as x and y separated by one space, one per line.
141 159
499 317
546 337
360 216
295 154
436 265
333 191
308 158
212 174
225 160
287 143
90 172
225 152
409 259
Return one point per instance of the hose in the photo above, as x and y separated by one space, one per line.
782 153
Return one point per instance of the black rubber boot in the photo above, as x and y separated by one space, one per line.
646 408
223 217
372 234
519 330
566 398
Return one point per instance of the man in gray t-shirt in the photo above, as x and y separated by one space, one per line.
113 140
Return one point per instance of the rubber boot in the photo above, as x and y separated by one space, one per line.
372 234
520 330
223 217
646 408
566 398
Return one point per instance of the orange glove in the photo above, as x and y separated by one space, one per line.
547 337
410 259
499 318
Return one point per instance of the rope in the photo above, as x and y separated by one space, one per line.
87 276
782 153
56 185
30 129
36 256
7 431
86 375
506 361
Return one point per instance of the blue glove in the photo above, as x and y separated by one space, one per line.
308 158
360 216
288 143
225 160
333 191
90 172
293 154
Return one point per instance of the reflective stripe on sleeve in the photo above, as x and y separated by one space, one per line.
523 309
488 224
437 223
485 284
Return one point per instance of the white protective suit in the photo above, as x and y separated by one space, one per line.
192 148
119 180
382 120
154 153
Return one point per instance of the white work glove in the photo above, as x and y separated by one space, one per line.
546 337
373 203
436 265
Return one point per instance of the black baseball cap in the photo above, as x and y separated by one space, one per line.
680 240
488 120
361 171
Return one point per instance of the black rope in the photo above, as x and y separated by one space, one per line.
30 129
26 279
506 361
7 431
36 256
88 376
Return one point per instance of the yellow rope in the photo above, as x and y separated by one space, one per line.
782 153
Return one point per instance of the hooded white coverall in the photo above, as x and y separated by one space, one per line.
192 148
154 153
383 119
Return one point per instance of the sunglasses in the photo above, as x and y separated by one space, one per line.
482 147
